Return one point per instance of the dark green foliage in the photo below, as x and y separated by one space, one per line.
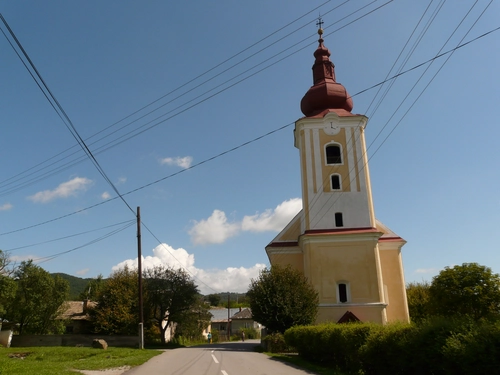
193 322
170 296
92 289
214 299
467 290
275 343
418 301
77 285
117 309
37 300
438 347
282 298
335 344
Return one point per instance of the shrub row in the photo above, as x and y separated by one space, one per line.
438 347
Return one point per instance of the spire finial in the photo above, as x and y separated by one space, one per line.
320 26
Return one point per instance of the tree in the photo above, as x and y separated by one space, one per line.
193 321
117 308
467 290
281 298
93 289
169 295
37 300
7 284
214 299
418 301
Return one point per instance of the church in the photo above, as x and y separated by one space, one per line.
352 259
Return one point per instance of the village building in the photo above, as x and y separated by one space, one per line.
352 259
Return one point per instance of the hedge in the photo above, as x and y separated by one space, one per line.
436 347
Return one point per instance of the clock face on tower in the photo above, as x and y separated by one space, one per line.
331 128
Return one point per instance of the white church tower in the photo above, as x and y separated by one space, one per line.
352 260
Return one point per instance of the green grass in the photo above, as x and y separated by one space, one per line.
65 360
303 364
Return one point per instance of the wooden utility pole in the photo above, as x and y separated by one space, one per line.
228 313
139 270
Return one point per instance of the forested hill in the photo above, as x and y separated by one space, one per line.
76 284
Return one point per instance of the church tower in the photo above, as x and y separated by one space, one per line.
352 260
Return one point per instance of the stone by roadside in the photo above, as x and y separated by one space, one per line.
110 371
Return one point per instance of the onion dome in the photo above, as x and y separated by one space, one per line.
325 93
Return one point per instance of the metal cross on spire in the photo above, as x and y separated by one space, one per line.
320 22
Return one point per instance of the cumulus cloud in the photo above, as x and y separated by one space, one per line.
6 207
83 272
105 195
67 189
216 229
232 278
121 180
273 220
183 162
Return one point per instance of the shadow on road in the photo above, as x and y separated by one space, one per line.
233 346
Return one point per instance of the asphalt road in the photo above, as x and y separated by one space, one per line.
235 358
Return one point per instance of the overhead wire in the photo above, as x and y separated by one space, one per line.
356 94
279 254
248 142
68 236
131 134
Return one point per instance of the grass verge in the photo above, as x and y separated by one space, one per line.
303 364
65 360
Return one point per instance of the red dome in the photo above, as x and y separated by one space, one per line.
326 93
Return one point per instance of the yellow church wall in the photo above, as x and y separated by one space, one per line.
375 314
280 257
394 284
355 263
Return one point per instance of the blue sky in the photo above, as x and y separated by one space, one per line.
155 88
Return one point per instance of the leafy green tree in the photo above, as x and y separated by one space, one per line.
281 298
93 289
418 301
7 284
169 296
214 299
467 290
194 321
38 299
117 308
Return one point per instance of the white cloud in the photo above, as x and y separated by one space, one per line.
83 272
105 195
64 190
426 270
215 229
121 180
6 207
273 220
183 162
235 279
21 258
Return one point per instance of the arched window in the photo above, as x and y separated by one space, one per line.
336 182
343 292
333 154
339 220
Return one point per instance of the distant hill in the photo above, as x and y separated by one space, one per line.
76 284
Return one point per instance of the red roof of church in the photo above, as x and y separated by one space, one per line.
326 93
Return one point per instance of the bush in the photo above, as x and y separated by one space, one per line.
251 333
331 343
275 343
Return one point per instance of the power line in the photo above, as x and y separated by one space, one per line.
136 132
251 141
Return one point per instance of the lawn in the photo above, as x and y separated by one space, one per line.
66 360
